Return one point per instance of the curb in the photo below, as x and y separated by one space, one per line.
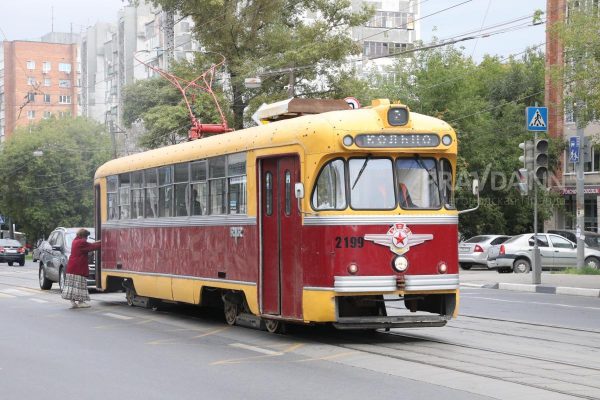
522 287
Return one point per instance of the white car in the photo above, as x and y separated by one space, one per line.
556 252
475 250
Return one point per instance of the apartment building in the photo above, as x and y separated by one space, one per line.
37 80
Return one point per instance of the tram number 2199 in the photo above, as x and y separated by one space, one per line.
352 242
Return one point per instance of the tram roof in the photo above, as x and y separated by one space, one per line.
314 132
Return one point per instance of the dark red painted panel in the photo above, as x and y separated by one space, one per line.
271 278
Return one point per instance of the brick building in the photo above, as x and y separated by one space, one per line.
37 80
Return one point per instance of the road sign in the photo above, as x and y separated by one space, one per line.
537 118
574 149
352 102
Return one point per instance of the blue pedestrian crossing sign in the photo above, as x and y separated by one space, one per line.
574 149
537 118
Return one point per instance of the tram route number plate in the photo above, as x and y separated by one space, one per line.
236 231
352 242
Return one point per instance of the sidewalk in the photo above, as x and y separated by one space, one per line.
577 285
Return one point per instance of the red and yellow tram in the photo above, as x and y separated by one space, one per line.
323 218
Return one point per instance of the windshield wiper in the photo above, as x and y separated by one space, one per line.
361 170
422 165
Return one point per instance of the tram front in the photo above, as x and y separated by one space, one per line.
380 237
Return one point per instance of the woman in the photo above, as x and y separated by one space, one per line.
75 286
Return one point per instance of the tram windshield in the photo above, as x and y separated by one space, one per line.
383 184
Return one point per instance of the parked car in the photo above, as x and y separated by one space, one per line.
35 253
12 251
475 250
556 252
54 255
592 239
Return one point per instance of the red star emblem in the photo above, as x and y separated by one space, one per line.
400 234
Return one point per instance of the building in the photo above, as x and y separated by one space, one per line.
562 125
38 80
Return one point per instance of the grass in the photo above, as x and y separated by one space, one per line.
581 271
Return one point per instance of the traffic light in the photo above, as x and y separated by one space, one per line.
541 159
527 157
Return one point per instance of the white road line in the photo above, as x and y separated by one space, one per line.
16 292
256 349
38 300
535 302
6 296
117 316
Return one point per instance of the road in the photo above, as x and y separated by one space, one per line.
505 345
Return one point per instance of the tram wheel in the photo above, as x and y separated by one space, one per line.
231 312
274 326
129 295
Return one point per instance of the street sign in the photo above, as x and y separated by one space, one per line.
574 149
537 118
352 102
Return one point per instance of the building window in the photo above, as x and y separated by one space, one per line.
47 115
64 114
47 82
46 98
31 81
64 83
46 67
31 65
31 97
64 67
30 114
63 99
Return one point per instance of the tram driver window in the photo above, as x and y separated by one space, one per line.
371 184
112 201
330 191
446 188
151 193
418 185
137 195
199 187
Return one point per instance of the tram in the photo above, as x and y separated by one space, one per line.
343 217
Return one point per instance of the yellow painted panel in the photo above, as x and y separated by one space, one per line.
318 305
183 290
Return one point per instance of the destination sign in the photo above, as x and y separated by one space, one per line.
398 140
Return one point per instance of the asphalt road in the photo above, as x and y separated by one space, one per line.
506 346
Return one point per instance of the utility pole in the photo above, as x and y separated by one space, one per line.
580 202
169 39
292 81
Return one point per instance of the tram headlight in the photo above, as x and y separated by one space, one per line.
400 263
442 267
352 269
348 140
447 140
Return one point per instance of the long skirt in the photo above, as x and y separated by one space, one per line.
75 288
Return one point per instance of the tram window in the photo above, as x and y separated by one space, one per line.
288 193
216 167
236 164
446 187
150 193
417 183
124 185
137 195
112 203
371 184
199 198
198 171
269 193
165 191
182 190
237 195
330 191
218 196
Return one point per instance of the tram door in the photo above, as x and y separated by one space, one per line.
281 281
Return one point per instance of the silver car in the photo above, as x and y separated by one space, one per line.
515 254
475 250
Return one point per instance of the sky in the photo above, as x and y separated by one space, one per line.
30 19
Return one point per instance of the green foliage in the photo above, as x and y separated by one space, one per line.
581 271
269 35
55 188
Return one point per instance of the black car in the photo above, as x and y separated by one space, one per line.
592 239
12 251
54 255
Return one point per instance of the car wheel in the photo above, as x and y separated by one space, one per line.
592 262
22 263
45 283
521 266
466 267
61 279
10 263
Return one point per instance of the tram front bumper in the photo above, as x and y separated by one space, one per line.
406 321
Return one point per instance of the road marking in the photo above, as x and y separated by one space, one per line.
38 300
535 302
330 357
6 296
256 349
117 316
16 292
214 331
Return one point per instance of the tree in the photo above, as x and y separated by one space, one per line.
54 188
271 38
